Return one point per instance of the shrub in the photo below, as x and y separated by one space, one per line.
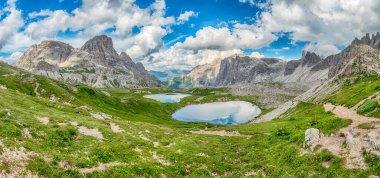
368 106
62 137
281 132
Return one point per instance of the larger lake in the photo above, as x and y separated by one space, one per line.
168 97
219 113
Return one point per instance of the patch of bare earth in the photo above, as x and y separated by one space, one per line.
44 120
101 116
222 133
90 132
26 133
15 162
100 167
115 128
160 159
349 142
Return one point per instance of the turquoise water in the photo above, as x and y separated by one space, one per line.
168 97
218 113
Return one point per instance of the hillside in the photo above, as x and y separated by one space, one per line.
95 64
53 129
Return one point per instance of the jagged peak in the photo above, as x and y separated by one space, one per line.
310 58
370 40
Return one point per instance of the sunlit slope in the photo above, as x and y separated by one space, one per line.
118 133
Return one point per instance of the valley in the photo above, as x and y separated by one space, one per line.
91 112
50 128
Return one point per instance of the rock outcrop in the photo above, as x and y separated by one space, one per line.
95 64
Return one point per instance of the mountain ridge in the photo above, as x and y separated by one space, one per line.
310 69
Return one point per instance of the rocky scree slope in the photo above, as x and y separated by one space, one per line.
95 64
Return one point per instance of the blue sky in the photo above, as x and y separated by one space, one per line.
182 33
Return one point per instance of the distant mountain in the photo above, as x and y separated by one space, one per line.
95 64
243 69
165 76
359 57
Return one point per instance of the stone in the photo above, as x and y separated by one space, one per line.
311 139
374 140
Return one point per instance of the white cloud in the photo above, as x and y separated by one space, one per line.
11 23
322 49
256 55
240 37
90 19
326 23
178 58
149 40
55 22
184 17
13 58
251 2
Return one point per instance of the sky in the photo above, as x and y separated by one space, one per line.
181 34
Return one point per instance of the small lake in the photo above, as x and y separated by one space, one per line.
218 113
167 97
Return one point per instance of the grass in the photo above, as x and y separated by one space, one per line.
352 93
368 125
368 106
274 149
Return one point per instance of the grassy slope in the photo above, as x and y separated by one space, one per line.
351 94
276 155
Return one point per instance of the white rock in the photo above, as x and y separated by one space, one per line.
374 140
3 87
311 139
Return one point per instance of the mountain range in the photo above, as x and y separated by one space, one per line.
360 56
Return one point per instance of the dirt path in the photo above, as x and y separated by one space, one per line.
222 133
363 101
348 142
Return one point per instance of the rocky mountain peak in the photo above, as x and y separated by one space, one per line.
310 59
373 41
100 45
96 64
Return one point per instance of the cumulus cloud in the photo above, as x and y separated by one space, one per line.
48 27
322 49
117 17
240 37
326 23
13 58
256 54
149 40
184 17
178 58
251 2
11 23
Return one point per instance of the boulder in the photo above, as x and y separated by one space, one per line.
311 139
